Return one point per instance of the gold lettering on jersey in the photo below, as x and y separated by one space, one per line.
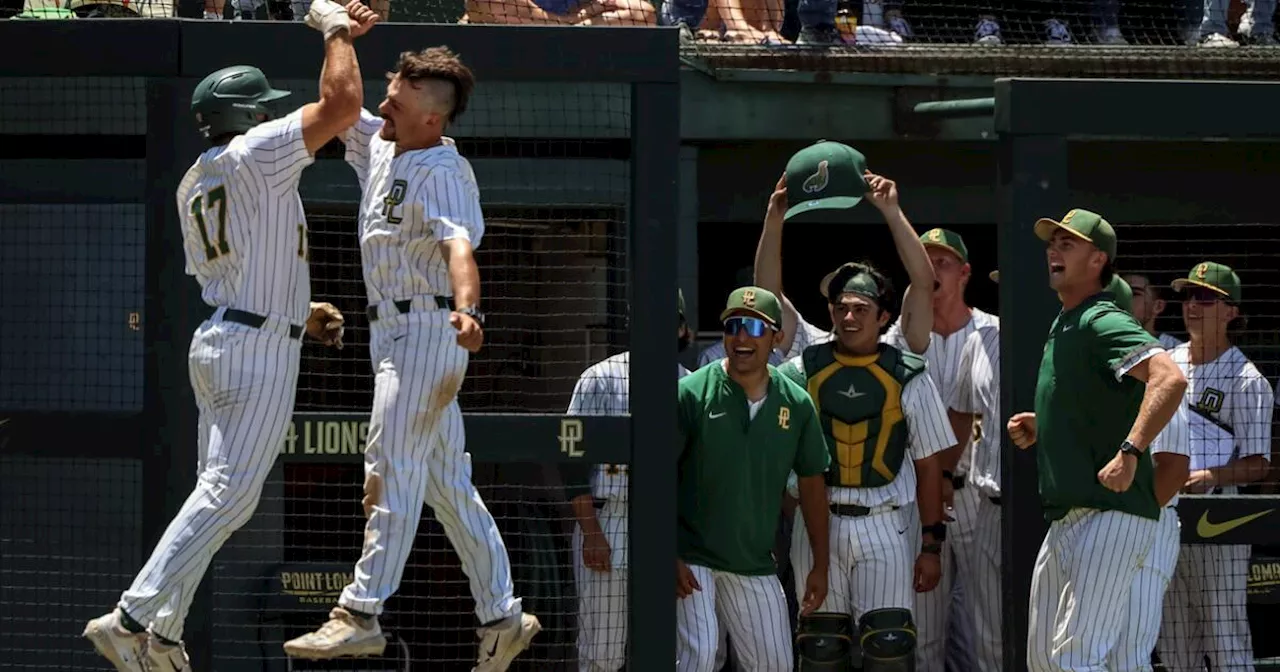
326 437
1211 400
1201 270
570 436
749 298
394 198
784 418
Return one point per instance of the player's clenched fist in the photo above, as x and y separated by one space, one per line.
326 324
928 572
1117 475
470 335
686 583
362 18
595 551
1022 429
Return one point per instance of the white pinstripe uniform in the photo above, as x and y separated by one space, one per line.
604 389
1132 652
873 557
244 238
977 392
416 449
1230 408
941 614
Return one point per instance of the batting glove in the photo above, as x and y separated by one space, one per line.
328 17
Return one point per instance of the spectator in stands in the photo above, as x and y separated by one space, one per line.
1028 21
1256 27
564 12
743 22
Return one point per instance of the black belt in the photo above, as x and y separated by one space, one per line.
256 321
402 307
850 510
995 500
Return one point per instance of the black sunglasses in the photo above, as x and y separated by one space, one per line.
754 326
1202 295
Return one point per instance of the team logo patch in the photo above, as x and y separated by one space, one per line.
784 418
1201 270
935 236
817 181
1211 400
1067 220
749 298
571 435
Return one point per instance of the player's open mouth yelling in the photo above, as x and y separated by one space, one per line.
744 352
1057 268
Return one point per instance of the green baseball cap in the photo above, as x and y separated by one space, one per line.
1212 275
825 176
946 240
1122 292
1083 224
755 301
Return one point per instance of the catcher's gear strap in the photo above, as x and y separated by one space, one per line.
888 641
824 642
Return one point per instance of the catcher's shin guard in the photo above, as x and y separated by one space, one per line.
888 641
824 643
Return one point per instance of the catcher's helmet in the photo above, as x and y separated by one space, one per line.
230 100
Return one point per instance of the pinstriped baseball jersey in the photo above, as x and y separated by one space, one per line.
603 389
243 229
1234 403
409 204
928 431
977 391
1169 342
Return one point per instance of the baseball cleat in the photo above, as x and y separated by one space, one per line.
113 642
501 643
343 636
160 657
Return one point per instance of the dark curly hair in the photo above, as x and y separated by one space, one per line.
441 64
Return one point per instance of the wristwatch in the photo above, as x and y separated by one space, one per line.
1130 449
474 313
938 530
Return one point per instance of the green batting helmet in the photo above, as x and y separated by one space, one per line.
230 100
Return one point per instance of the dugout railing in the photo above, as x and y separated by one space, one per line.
1169 137
574 137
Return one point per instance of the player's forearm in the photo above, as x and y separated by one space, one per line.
815 508
962 427
929 489
917 300
584 510
1242 471
464 274
1171 474
768 275
341 89
1165 387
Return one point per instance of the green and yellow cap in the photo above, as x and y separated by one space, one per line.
1212 275
946 240
1083 224
825 176
755 301
1122 292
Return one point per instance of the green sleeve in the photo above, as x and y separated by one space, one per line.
1119 341
684 417
812 457
793 370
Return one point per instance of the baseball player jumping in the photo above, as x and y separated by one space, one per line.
600 548
420 220
244 235
942 617
743 428
1230 406
877 410
1093 422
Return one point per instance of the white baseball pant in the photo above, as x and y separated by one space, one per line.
871 564
984 594
1204 610
416 453
753 611
1080 588
957 647
602 596
1141 626
245 380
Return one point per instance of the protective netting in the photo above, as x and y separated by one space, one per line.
1216 605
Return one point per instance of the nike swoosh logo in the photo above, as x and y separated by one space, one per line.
721 414
1206 529
494 650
